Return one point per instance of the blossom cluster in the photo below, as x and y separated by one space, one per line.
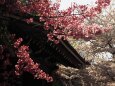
64 22
74 25
40 7
30 20
18 42
25 63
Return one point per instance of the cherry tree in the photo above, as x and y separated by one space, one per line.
65 22
60 24
106 41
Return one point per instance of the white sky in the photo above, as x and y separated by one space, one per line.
67 3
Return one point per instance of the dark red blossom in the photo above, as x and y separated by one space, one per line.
25 63
65 21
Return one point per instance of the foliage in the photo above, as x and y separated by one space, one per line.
60 25
105 42
100 44
25 63
63 23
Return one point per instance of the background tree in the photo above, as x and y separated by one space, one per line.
106 41
101 44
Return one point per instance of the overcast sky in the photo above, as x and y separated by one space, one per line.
67 3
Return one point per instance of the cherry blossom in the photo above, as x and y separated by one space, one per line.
61 23
25 63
